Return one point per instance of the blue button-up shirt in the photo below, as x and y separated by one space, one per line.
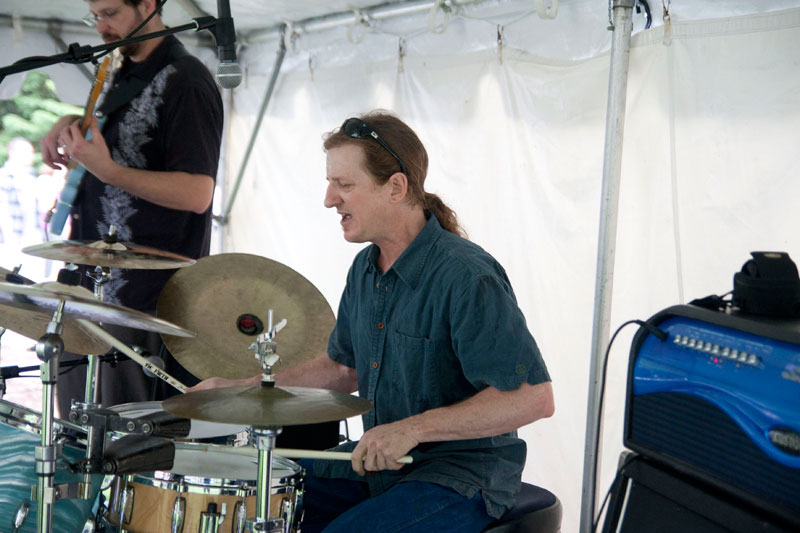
438 327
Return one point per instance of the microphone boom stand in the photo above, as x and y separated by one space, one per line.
83 54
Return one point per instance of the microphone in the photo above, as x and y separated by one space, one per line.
229 75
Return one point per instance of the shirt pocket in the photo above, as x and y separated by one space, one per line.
414 372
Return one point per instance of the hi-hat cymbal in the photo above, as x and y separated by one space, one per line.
38 302
108 254
226 298
264 406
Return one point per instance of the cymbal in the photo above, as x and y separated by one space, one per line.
221 295
32 322
264 406
108 254
4 273
39 301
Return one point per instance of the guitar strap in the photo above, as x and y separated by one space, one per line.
129 87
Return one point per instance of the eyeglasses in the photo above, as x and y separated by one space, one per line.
92 19
358 129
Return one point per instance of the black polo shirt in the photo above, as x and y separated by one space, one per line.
173 124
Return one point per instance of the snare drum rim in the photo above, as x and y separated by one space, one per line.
191 484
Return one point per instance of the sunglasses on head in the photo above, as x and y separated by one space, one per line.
358 129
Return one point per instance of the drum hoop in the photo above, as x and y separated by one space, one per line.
212 486
291 474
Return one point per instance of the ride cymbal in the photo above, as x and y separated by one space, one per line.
226 298
38 303
265 406
108 253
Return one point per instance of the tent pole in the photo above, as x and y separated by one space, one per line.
224 217
612 167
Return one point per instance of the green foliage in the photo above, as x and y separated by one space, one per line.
31 112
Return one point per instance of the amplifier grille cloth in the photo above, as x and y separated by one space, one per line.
700 434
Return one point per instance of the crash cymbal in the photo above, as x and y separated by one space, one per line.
41 300
264 406
108 253
226 298
32 322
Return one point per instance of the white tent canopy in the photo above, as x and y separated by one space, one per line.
511 105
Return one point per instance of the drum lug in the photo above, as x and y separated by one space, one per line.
90 526
21 515
125 508
240 517
178 510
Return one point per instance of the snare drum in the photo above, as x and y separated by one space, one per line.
20 433
206 480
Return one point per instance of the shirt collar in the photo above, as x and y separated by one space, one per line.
408 266
148 68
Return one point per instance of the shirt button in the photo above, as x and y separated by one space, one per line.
374 364
380 325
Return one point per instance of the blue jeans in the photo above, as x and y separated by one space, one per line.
341 505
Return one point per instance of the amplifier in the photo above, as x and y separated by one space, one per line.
719 401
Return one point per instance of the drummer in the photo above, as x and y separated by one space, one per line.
150 173
429 331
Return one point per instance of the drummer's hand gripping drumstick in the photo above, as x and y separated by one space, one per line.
122 347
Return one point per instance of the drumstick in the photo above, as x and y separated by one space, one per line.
292 452
119 345
336 456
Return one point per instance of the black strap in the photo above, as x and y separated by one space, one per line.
130 87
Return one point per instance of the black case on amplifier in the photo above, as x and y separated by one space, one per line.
648 497
701 442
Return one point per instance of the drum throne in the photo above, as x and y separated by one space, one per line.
535 510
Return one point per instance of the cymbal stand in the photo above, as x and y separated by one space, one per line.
95 436
48 349
265 349
100 277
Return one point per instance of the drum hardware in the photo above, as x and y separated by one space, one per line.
266 408
48 349
13 276
21 515
211 520
265 352
63 302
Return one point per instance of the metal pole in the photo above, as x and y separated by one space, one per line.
612 167
223 219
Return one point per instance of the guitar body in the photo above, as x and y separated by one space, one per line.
68 194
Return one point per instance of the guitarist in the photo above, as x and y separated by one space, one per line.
150 172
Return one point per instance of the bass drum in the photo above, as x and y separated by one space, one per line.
20 433
208 484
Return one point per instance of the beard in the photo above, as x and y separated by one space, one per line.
129 49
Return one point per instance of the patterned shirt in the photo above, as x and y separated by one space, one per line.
173 124
439 326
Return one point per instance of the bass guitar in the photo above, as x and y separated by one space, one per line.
63 206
